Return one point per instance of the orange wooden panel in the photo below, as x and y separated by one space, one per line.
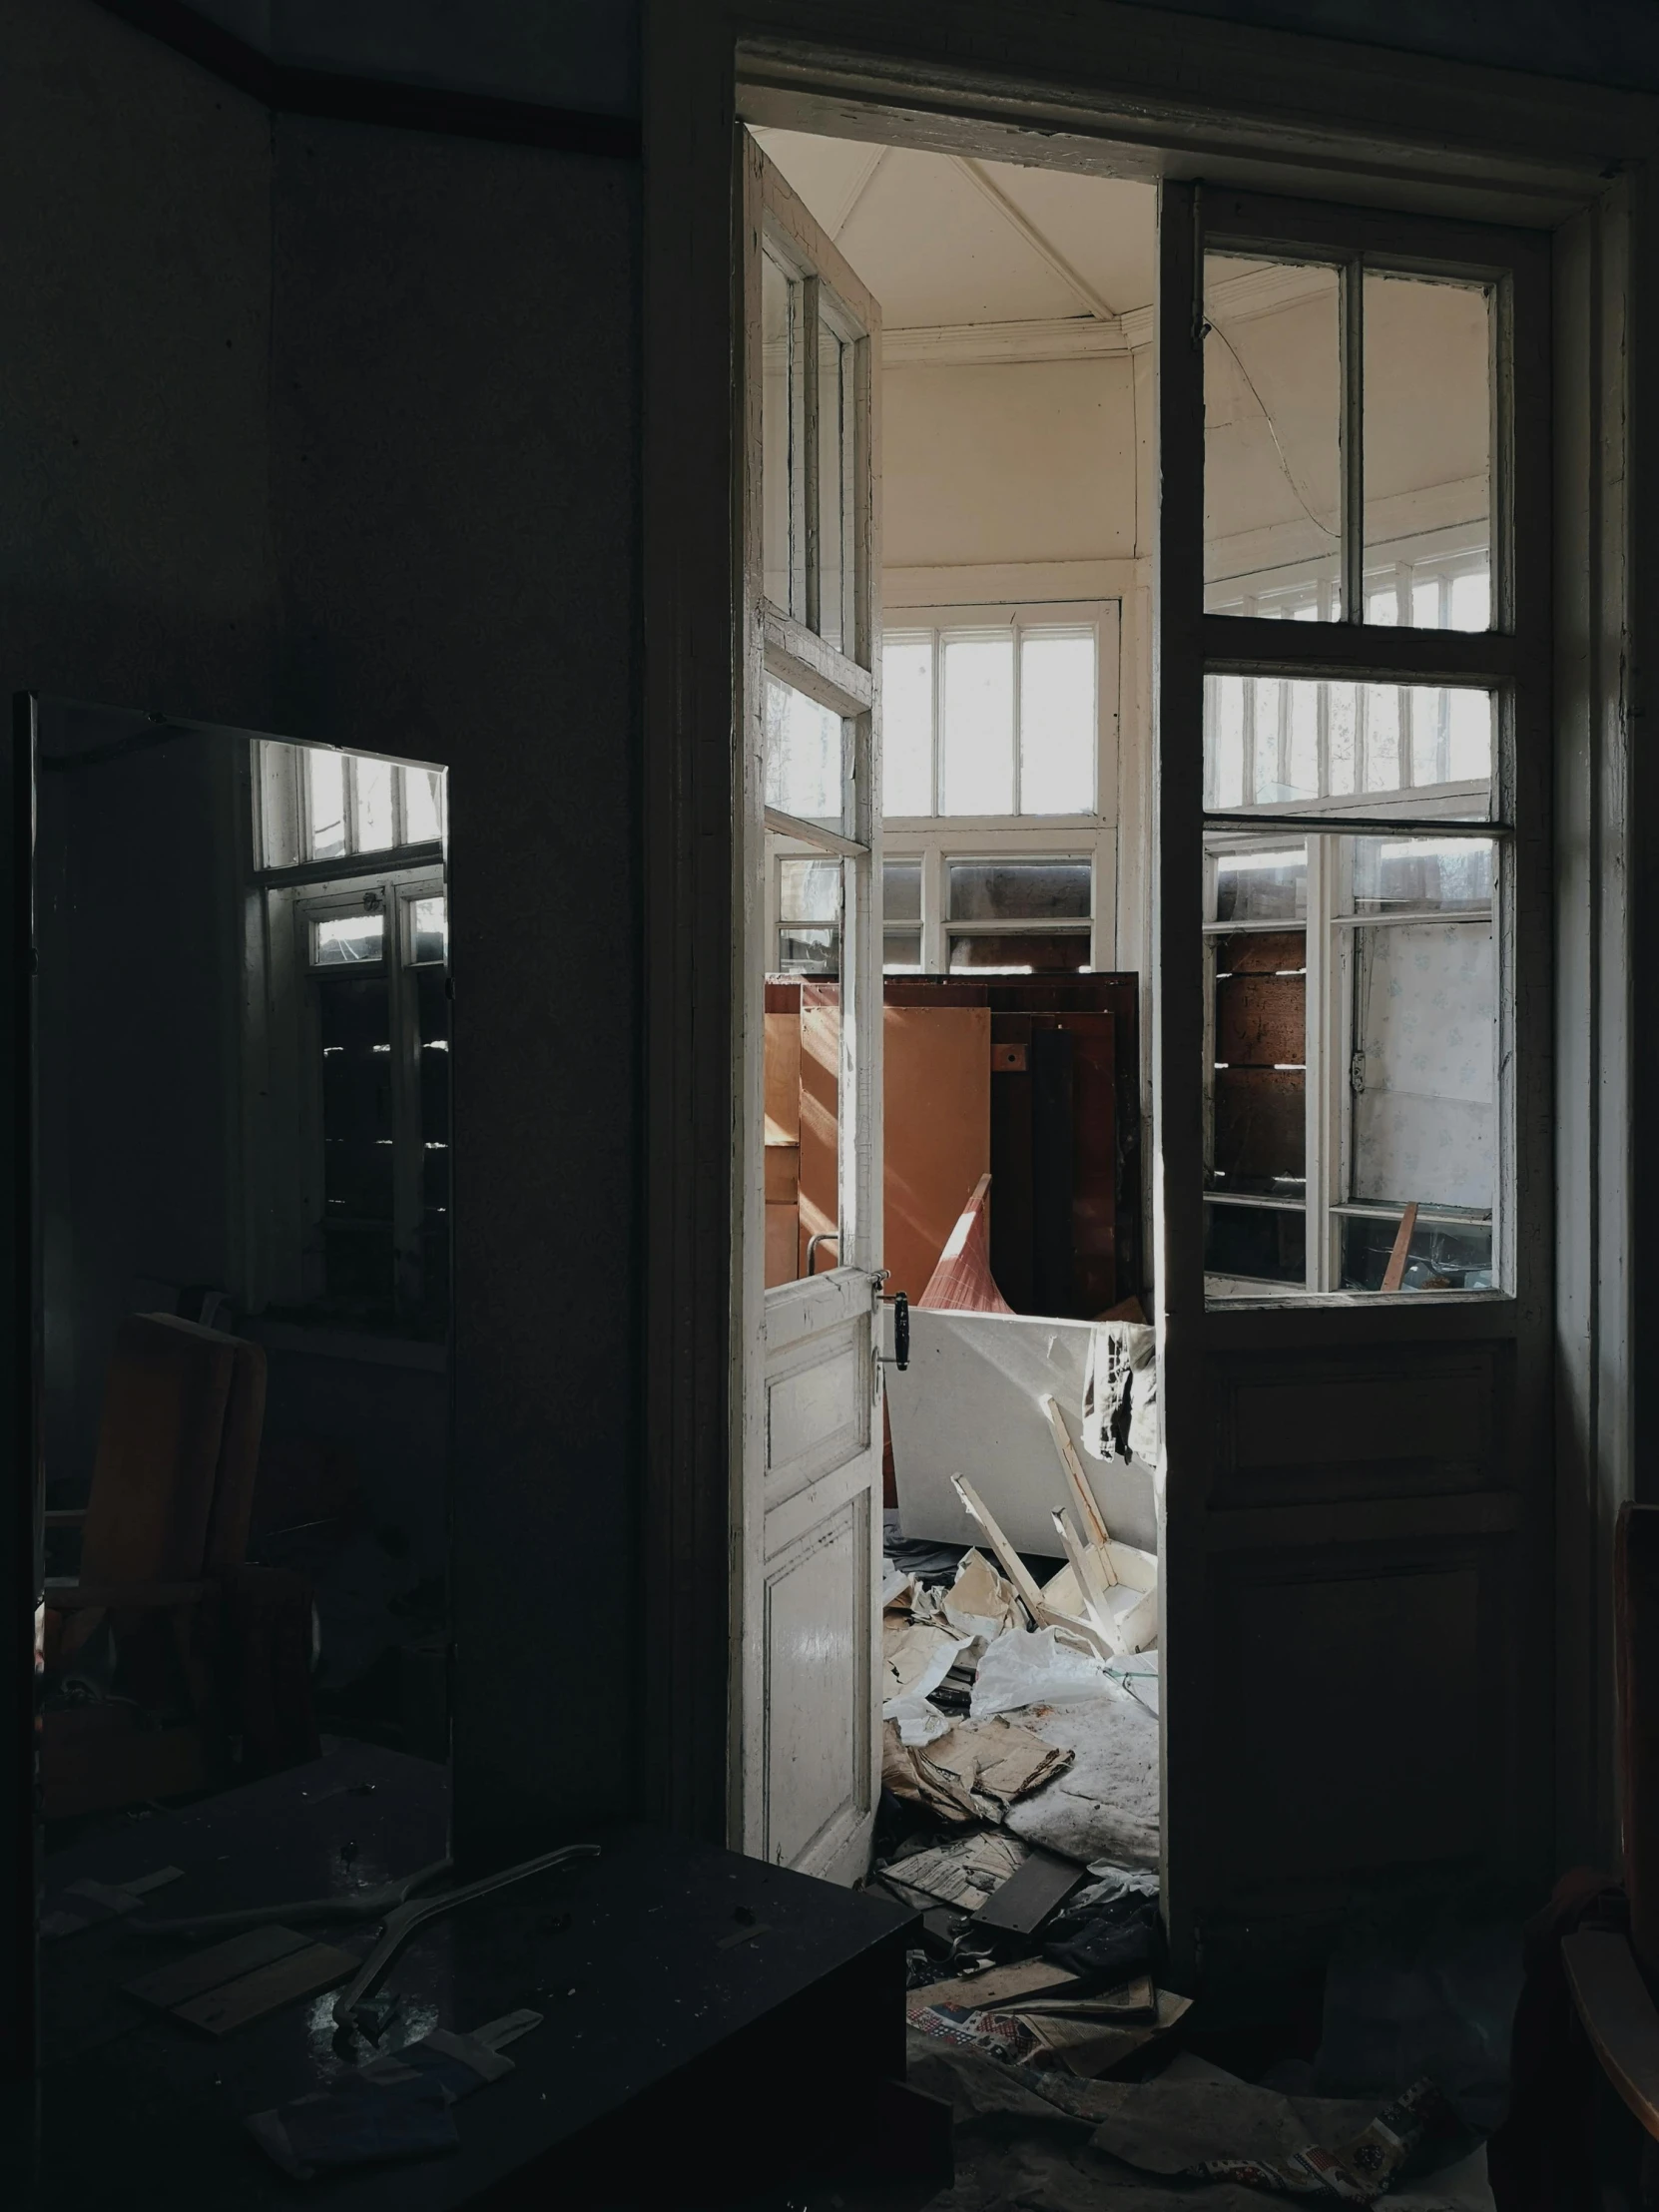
783 1174
783 1233
820 1048
936 1093
783 1077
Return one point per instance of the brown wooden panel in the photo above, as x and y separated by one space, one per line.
1096 1282
783 1186
1260 1020
1259 1122
1261 951
820 1048
781 1054
1415 1409
937 1087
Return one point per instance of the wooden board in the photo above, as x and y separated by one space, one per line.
300 1974
936 1091
783 1077
192 1976
819 1093
1619 2017
783 1242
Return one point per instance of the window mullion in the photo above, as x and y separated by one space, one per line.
1320 1078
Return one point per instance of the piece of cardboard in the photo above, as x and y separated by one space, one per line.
300 1974
191 1977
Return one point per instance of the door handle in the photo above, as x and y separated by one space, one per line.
900 1360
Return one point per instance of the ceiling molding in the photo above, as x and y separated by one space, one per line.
965 344
863 178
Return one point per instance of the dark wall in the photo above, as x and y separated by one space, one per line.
134 288
454 477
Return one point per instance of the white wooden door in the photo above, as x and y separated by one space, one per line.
806 1728
807 1444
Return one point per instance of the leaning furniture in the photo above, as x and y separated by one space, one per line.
208 1652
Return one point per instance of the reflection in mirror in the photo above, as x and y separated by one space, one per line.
242 1145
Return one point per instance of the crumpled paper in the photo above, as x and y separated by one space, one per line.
973 1771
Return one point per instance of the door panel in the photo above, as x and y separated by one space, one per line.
1358 1486
806 1741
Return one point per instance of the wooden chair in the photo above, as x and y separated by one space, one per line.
163 1542
1612 1977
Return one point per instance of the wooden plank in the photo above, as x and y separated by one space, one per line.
1394 1275
1093 1525
1262 1020
300 1974
1612 2000
937 1092
192 1976
1259 1122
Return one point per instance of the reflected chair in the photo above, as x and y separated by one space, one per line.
211 1657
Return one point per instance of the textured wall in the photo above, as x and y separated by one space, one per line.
455 481
135 556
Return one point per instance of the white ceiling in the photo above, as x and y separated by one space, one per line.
943 241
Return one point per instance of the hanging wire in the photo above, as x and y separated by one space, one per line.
1214 329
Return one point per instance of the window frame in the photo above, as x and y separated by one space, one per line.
1511 660
939 838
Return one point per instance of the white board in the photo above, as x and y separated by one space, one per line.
970 1403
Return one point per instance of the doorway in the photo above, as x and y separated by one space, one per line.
1454 1524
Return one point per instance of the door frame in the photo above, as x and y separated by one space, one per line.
1129 92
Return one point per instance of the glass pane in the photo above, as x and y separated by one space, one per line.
1262 887
1272 404
802 1131
834 504
902 891
1423 1076
1018 891
347 938
422 804
428 929
901 951
978 681
1021 952
1439 1256
325 789
1430 875
808 890
1246 1247
376 830
1057 723
1428 444
803 755
908 724
1290 741
779 555
1257 1071
807 951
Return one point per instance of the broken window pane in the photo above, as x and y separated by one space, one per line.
1428 446
376 830
907 723
1273 409
1441 1255
1057 721
325 803
347 939
977 677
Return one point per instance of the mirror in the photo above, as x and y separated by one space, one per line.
242 1129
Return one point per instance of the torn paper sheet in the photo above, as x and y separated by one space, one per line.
916 1660
1037 1986
973 1771
1120 1392
981 1602
896 1589
1082 2045
1037 1667
965 1872
1259 2139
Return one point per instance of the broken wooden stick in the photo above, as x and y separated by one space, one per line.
1014 1567
1094 1527
1394 1275
1077 1558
